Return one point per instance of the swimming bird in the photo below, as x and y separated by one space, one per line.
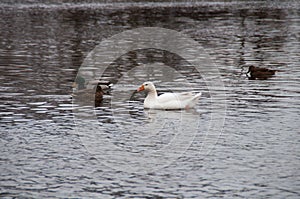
168 101
85 95
260 73
94 91
80 83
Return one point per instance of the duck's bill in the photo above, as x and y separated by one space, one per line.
141 88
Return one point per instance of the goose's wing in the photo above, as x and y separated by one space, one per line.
166 97
186 96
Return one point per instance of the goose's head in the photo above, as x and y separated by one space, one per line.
147 86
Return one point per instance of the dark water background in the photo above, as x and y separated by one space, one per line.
42 47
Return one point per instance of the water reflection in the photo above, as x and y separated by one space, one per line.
118 142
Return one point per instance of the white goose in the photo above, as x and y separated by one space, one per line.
169 101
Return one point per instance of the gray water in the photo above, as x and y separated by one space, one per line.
245 145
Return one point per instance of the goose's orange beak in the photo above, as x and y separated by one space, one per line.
141 88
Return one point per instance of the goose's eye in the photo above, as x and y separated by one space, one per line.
146 84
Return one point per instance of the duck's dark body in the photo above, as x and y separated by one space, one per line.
98 95
260 73
85 95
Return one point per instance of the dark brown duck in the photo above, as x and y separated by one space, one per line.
260 73
85 95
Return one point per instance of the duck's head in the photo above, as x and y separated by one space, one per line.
99 88
251 68
147 86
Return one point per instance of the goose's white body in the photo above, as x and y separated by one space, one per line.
183 100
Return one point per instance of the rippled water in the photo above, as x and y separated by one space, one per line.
51 147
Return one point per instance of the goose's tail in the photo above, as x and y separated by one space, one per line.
197 96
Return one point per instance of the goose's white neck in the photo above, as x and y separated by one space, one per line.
151 98
152 94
